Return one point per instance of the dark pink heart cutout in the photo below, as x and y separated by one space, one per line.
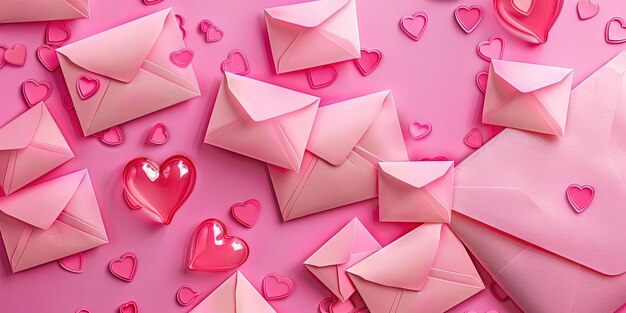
437 158
615 31
3 49
246 213
468 17
74 263
48 57
212 249
587 9
580 197
181 24
492 48
211 31
182 57
530 20
474 139
321 76
124 267
158 135
112 136
185 295
236 63
35 92
369 61
87 86
16 55
419 129
150 2
481 81
129 307
414 25
83 310
57 33
276 287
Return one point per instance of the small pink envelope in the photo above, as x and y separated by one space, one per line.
262 121
133 66
426 270
314 33
30 146
341 165
350 245
528 96
415 191
51 220
13 11
235 295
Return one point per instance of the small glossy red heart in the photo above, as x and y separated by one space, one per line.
212 249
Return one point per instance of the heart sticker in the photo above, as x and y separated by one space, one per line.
276 287
468 17
124 267
83 310
181 25
369 60
158 135
211 31
321 76
481 81
246 213
414 25
35 92
580 197
74 263
587 9
185 295
87 86
212 249
112 136
419 129
16 55
57 33
129 307
182 57
493 48
530 20
159 190
615 31
236 63
474 139
48 57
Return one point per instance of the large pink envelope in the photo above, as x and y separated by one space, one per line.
30 146
329 263
341 165
51 220
511 209
314 33
235 295
12 11
427 270
527 96
415 191
262 121
132 63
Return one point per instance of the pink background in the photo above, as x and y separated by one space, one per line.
432 80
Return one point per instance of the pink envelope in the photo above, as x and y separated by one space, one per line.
30 146
341 165
427 270
415 191
235 295
14 11
511 208
527 96
314 33
262 121
51 220
132 63
350 245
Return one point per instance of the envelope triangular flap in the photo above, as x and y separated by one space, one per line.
119 52
416 174
81 6
18 133
338 249
528 77
248 298
263 101
339 127
308 14
222 299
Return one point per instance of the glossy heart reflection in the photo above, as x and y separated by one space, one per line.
530 20
213 250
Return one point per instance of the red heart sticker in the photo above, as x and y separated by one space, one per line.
474 139
414 25
580 197
213 250
468 17
87 86
48 57
74 263
185 295
129 307
182 57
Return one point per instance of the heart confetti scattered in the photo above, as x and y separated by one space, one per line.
57 33
129 307
493 48
48 57
468 17
615 31
124 267
419 129
321 76
587 9
16 55
414 25
87 86
74 263
158 135
182 57
236 63
580 197
212 249
276 287
112 136
212 33
474 139
35 92
369 61
246 213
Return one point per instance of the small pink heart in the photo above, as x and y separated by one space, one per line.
369 60
182 57
615 31
35 92
74 263
129 307
481 81
112 136
414 25
474 139
83 310
87 86
185 295
57 33
580 197
124 267
587 9
276 287
15 55
468 17
3 49
246 213
498 292
212 32
150 2
68 104
158 135
181 24
236 63
341 307
321 76
437 158
48 57
419 129
492 48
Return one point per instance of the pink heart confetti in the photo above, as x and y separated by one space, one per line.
580 197
321 76
246 213
468 17
74 263
112 136
369 61
276 287
185 295
87 86
414 25
615 31
182 57
158 135
16 55
492 48
129 307
587 9
236 63
474 139
419 129
181 25
211 31
83 310
35 92
124 267
48 57
57 33
481 81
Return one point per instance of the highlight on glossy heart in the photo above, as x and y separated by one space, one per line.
35 92
236 63
369 61
182 57
276 287
185 295
74 263
531 20
159 190
468 17
321 76
124 267
246 213
580 197
87 86
212 249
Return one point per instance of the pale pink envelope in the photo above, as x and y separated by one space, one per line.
341 165
132 63
235 295
510 206
415 191
350 245
527 96
14 11
313 33
30 146
51 220
262 121
427 270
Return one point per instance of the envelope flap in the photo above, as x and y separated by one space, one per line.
308 14
416 174
529 77
119 52
248 299
41 204
339 127
263 101
338 249
18 133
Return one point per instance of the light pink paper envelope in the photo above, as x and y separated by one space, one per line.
132 63
30 146
340 167
235 295
511 210
527 96
415 191
13 11
262 121
314 33
51 220
427 270
350 245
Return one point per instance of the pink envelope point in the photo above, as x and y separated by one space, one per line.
234 295
124 267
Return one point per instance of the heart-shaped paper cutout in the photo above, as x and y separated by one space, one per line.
57 33
481 81
474 139
587 9
159 190
185 295
129 307
414 25
276 287
580 197
3 49
158 135
321 76
83 310
182 57
493 48
212 33
615 30
246 213
468 17
369 60
530 20
420 129
181 25
213 250
87 86
74 263
48 57
16 55
236 63
124 267
35 92
112 136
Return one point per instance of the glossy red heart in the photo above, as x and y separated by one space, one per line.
530 20
212 249
159 191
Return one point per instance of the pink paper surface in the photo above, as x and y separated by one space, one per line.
432 80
